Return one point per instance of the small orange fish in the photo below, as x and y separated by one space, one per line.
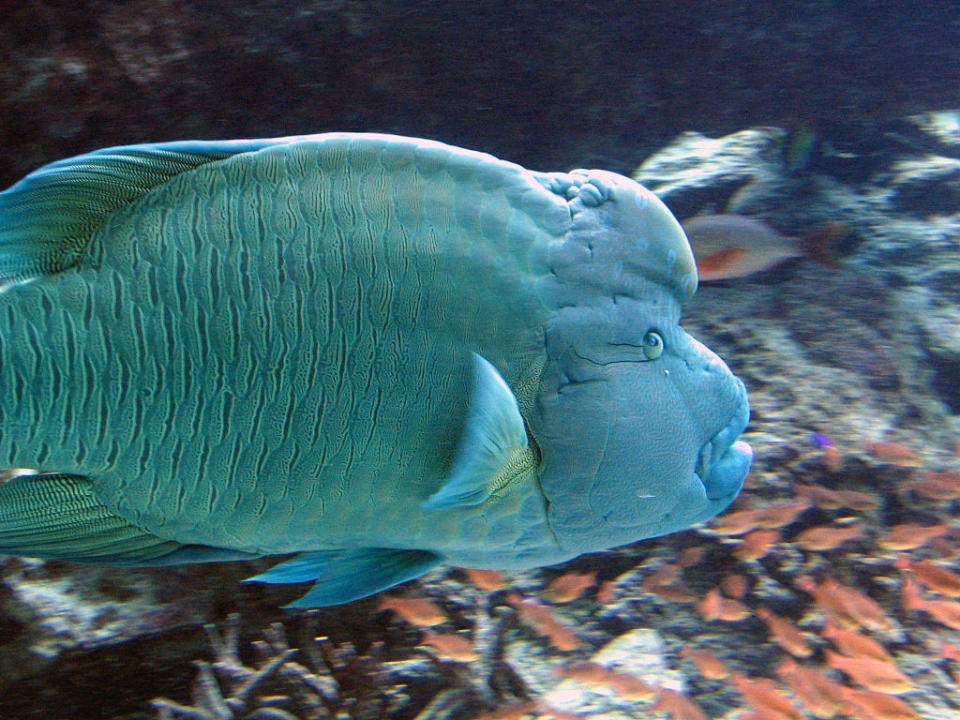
860 606
950 651
817 693
934 577
568 587
827 537
910 596
676 593
630 687
894 453
627 686
827 499
678 706
416 611
945 612
785 633
691 556
486 580
607 592
853 644
451 646
734 523
734 586
666 575
709 665
936 485
715 606
873 674
910 537
732 246
867 705
756 544
779 515
845 606
763 694
541 620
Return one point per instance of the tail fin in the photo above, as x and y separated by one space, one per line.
824 244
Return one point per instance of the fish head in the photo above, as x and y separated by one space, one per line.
637 422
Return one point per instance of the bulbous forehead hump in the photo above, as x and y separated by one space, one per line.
621 234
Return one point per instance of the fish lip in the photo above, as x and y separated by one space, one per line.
725 477
724 460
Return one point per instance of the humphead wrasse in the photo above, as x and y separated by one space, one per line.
382 353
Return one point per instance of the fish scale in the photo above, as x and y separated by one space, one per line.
189 381
380 352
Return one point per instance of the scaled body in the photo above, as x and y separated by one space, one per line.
385 353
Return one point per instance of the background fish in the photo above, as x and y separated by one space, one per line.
381 352
732 246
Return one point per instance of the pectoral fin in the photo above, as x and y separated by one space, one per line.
346 575
494 449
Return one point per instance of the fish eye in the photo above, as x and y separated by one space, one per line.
652 345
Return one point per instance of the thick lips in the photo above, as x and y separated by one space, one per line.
724 461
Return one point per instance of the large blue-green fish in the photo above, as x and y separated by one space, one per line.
382 353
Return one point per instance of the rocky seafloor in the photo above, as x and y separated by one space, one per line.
845 532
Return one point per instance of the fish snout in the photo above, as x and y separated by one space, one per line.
721 410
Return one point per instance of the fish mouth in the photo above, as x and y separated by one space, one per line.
724 461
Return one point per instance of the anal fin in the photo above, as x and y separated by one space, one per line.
346 575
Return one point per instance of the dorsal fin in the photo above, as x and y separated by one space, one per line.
48 218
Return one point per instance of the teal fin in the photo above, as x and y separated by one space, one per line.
494 448
346 575
59 517
48 218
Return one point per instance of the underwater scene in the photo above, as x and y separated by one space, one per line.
371 359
